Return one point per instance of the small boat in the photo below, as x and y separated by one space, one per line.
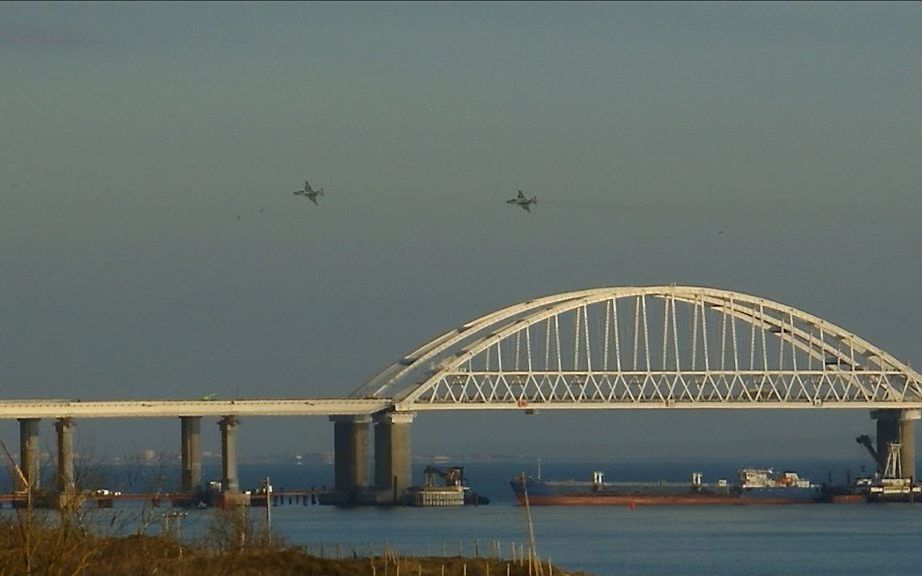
444 487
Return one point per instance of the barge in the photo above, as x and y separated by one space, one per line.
753 486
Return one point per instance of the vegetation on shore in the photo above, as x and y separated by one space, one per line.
62 546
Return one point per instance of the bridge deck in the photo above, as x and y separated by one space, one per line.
11 409
174 408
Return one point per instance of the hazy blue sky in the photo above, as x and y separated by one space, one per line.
133 135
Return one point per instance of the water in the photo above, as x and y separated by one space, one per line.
802 539
674 540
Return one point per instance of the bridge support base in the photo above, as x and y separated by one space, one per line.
230 482
393 474
350 455
67 488
28 453
898 426
191 429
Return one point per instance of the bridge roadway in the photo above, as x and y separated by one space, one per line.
26 409
23 409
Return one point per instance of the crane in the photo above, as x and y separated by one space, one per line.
865 441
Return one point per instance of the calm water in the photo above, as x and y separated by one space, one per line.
752 540
803 539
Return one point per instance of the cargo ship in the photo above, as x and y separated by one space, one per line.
753 486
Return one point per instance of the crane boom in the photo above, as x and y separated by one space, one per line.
865 441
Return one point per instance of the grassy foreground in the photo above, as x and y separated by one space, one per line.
71 550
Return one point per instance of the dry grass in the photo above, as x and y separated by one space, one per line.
67 549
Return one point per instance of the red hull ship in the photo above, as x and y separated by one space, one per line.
761 487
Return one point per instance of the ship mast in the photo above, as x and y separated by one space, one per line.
533 561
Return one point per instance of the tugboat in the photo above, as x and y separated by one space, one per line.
444 487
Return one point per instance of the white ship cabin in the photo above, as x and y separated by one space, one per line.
762 478
790 478
754 477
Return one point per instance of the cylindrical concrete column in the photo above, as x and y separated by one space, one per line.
393 452
908 441
28 452
65 475
229 480
888 432
191 427
350 452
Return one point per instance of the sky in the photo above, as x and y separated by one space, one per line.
151 247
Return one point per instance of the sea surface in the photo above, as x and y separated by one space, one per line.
808 539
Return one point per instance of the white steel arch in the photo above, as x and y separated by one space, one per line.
647 347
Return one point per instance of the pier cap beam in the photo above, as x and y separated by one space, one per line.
896 414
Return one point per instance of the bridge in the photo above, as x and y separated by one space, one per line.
654 347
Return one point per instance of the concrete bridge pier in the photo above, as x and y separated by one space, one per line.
230 482
350 454
393 474
898 426
28 453
191 453
67 487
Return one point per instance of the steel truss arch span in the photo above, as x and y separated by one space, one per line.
647 347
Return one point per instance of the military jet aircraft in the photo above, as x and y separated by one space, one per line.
522 201
309 192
